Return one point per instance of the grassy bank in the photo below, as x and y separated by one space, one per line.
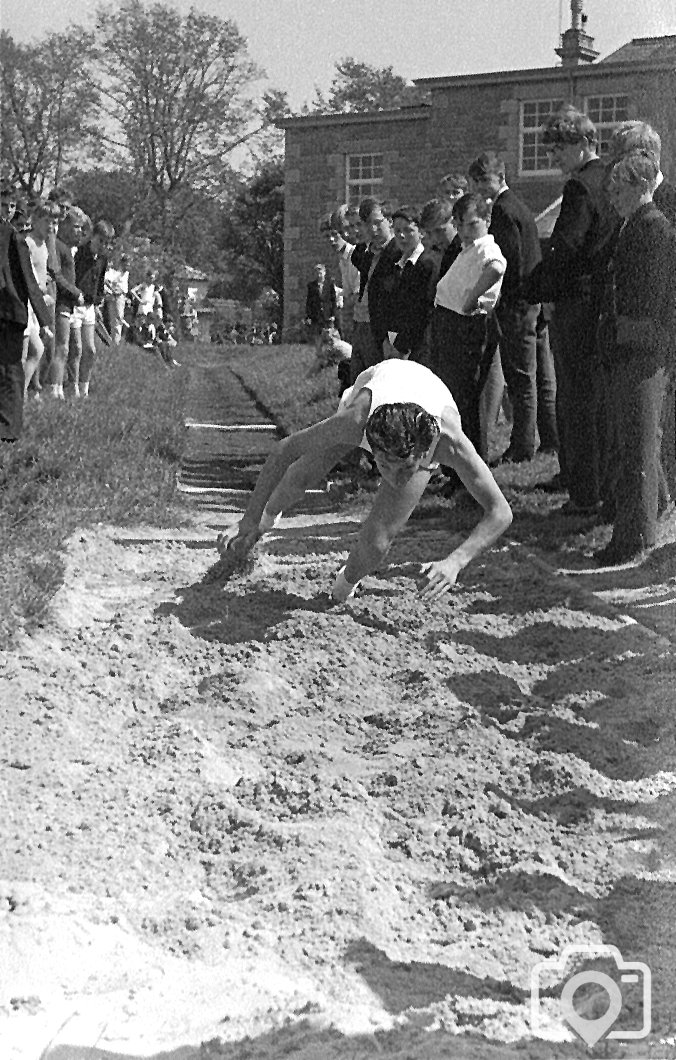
278 377
111 458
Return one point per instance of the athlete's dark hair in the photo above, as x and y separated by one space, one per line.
401 429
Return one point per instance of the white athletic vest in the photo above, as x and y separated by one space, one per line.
395 382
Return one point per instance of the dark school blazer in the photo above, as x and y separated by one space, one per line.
18 285
381 285
514 230
413 302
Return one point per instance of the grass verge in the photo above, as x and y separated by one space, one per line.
111 458
279 378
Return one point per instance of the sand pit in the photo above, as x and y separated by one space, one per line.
242 822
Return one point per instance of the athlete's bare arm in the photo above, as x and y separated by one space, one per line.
456 450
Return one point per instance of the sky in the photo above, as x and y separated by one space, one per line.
298 42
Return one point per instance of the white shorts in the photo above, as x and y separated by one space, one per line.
83 314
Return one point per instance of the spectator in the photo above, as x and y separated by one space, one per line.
68 294
17 287
189 320
514 230
465 297
320 304
91 263
343 227
164 339
8 200
572 275
416 274
143 294
375 263
116 285
452 187
628 137
43 229
644 278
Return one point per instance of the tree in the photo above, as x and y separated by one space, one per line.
178 90
358 87
48 106
256 234
113 194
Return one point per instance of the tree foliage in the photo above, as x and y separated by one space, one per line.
178 89
48 107
359 87
256 234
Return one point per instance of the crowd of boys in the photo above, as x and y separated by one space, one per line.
62 283
581 332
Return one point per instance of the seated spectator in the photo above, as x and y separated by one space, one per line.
416 274
164 339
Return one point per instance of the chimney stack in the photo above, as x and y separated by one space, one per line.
576 45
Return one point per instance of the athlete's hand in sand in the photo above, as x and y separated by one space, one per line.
238 544
441 575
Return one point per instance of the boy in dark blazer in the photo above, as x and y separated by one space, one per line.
416 274
514 230
18 286
572 276
375 261
643 268
320 303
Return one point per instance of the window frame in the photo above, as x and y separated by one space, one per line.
375 183
554 105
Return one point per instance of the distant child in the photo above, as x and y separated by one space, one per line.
165 340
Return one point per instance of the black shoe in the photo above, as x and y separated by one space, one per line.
553 485
582 511
510 457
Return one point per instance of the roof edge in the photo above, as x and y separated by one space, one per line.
602 67
355 117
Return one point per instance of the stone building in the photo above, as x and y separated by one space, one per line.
400 155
